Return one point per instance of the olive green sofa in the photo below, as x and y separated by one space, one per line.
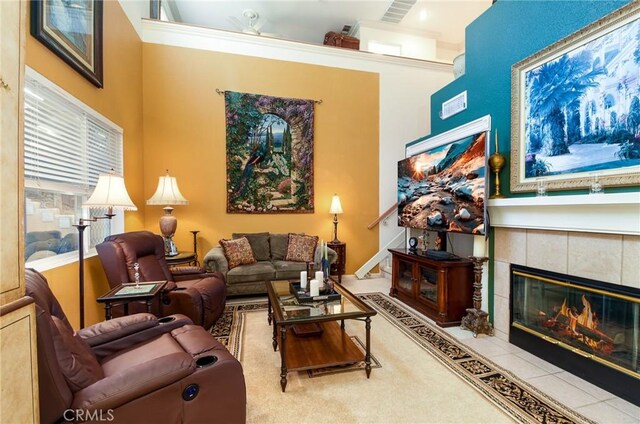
270 251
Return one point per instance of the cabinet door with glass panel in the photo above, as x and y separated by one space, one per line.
405 277
428 284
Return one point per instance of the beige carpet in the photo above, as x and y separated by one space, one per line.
421 379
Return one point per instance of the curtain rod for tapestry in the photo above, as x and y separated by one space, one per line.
221 92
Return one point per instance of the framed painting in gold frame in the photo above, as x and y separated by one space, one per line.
575 112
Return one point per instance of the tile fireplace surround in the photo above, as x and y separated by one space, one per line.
606 247
596 237
605 257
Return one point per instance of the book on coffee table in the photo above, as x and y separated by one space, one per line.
303 295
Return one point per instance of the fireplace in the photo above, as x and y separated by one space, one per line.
589 328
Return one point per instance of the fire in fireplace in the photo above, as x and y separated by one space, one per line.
581 329
588 327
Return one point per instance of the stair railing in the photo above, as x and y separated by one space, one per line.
384 216
363 272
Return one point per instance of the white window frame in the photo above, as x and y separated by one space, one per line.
117 222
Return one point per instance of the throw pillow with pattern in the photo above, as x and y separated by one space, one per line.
301 248
238 252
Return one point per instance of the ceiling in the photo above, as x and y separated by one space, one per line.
309 20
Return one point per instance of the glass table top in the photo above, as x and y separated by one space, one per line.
288 309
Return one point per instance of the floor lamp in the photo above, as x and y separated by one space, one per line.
110 193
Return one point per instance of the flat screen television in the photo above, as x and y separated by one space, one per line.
443 187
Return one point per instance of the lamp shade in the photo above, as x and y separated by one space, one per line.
336 207
167 192
110 193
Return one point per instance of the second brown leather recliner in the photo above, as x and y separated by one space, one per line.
190 290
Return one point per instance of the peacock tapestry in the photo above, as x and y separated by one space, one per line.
269 154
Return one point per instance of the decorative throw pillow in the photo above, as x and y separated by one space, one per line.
77 362
301 248
238 252
259 244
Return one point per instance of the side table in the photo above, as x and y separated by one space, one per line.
181 258
338 267
125 293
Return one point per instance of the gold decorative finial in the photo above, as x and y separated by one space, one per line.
496 163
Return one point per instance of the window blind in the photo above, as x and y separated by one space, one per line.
67 146
64 142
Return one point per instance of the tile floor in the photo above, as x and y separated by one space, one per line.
584 397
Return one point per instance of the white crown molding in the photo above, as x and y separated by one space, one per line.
196 37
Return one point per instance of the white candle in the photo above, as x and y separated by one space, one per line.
303 279
479 246
314 289
320 278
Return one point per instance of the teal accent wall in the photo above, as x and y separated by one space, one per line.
509 31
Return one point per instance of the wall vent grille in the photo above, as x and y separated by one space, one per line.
454 105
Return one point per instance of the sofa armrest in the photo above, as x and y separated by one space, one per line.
332 255
109 337
135 382
186 300
317 257
184 273
215 261
116 328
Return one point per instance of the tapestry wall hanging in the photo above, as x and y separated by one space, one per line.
269 154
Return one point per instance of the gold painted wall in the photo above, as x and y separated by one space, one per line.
184 131
121 102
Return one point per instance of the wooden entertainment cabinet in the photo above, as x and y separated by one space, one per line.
442 290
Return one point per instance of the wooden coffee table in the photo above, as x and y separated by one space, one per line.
309 335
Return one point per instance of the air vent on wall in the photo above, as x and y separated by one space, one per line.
397 10
454 105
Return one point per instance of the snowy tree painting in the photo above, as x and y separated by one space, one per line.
582 109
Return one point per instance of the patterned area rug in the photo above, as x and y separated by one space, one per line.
518 399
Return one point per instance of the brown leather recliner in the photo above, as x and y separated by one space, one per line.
191 291
132 369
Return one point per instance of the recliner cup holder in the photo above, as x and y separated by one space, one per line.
205 361
165 320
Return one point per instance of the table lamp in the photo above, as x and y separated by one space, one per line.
111 193
335 209
168 194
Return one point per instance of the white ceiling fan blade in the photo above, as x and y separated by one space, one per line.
259 24
236 23
271 34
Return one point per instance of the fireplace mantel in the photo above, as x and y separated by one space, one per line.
615 213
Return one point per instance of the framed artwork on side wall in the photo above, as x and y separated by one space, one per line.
576 108
72 29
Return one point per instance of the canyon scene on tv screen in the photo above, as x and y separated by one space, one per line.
443 188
